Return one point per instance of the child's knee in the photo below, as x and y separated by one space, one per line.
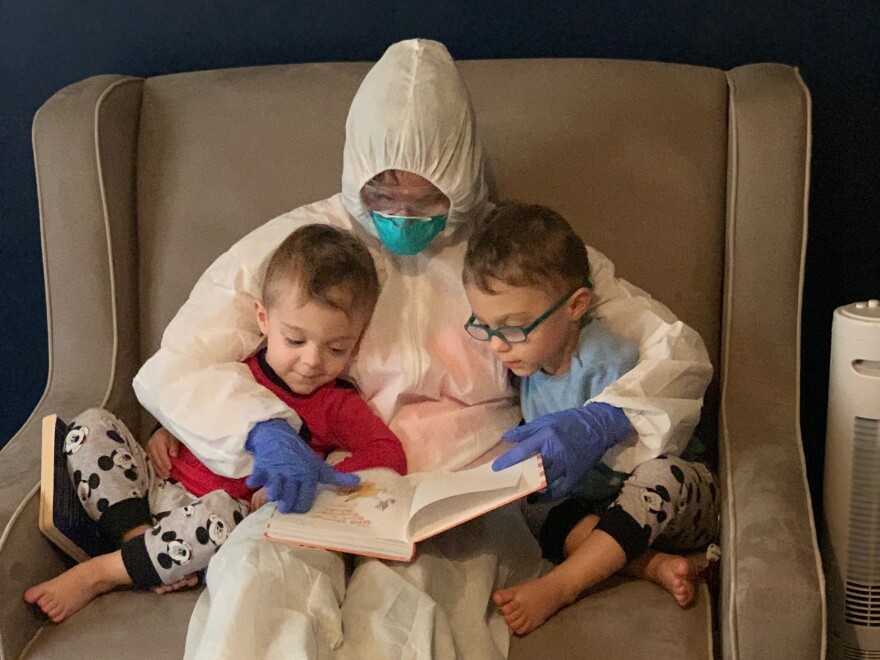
97 418
678 501
224 512
655 471
579 533
97 432
662 485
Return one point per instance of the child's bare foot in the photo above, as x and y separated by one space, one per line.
676 574
182 583
67 594
527 606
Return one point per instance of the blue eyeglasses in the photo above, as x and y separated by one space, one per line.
512 334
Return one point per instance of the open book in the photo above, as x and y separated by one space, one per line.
386 514
62 518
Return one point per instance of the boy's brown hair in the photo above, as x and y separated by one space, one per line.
525 245
330 266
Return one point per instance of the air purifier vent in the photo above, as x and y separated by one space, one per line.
862 606
853 653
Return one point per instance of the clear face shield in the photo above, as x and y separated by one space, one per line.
420 202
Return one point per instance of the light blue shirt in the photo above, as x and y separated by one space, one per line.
600 359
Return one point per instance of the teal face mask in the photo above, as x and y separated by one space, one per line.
404 235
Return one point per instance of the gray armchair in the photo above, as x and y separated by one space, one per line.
692 180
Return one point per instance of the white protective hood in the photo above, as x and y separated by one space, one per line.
413 112
442 393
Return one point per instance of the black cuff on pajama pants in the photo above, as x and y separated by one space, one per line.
139 564
560 521
124 516
624 529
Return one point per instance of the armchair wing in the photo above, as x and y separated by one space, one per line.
85 144
772 597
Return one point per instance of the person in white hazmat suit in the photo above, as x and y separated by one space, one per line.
413 185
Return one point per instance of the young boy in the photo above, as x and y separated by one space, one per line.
168 511
527 278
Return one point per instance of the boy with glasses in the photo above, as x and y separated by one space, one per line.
527 278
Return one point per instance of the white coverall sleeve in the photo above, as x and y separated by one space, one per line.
663 394
195 384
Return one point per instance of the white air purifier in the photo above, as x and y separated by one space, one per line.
851 538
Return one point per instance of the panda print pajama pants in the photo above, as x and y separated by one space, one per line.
117 487
668 503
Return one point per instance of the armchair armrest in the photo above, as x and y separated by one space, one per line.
85 142
772 594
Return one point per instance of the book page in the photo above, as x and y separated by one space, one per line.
444 514
434 486
443 500
377 508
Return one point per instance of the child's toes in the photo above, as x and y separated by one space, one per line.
508 610
521 627
33 594
53 611
514 622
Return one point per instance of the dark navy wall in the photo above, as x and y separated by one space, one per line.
45 45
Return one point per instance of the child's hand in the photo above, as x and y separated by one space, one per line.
259 499
160 447
288 468
571 442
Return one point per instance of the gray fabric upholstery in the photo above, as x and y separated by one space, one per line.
693 181
600 626
767 517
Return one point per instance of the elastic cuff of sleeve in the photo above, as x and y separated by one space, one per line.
611 419
124 516
624 529
138 563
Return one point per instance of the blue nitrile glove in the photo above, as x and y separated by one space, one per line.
288 467
571 442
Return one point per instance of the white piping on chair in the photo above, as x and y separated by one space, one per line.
812 520
15 515
730 548
31 642
103 193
